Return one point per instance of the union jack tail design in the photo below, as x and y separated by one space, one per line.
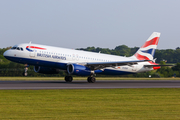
146 52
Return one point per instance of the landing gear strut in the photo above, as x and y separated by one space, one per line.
91 79
68 78
25 71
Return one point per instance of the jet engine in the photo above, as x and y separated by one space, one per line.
78 70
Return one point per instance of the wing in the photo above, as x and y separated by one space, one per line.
101 65
149 66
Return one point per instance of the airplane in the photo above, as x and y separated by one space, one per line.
49 60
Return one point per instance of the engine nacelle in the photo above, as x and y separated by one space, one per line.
45 70
78 70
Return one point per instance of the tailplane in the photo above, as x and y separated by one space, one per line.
146 52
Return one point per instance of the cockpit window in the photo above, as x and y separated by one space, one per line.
17 48
13 47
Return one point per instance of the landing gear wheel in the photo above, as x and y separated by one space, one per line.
91 79
25 71
68 78
25 74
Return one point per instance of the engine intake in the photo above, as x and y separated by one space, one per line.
78 70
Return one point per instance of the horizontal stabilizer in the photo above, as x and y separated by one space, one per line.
156 65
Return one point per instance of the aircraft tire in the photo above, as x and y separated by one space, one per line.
91 79
68 78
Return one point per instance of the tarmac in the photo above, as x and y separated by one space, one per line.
80 84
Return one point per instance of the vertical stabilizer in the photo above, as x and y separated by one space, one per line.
146 52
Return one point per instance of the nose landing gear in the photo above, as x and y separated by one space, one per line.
25 70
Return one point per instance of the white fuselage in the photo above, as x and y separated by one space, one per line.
55 57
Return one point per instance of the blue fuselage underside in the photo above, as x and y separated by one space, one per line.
62 66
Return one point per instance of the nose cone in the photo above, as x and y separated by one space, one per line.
5 53
10 55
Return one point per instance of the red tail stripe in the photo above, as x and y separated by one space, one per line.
154 41
141 57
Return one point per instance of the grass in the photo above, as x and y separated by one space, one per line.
90 104
83 78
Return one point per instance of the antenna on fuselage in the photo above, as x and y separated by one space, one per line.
29 43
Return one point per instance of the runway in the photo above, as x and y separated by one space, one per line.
106 84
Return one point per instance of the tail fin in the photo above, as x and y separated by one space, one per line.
146 52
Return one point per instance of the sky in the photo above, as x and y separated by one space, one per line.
87 23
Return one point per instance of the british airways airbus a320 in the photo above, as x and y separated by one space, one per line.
49 60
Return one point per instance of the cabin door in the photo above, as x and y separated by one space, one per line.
32 52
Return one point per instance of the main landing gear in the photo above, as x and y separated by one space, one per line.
91 79
69 79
